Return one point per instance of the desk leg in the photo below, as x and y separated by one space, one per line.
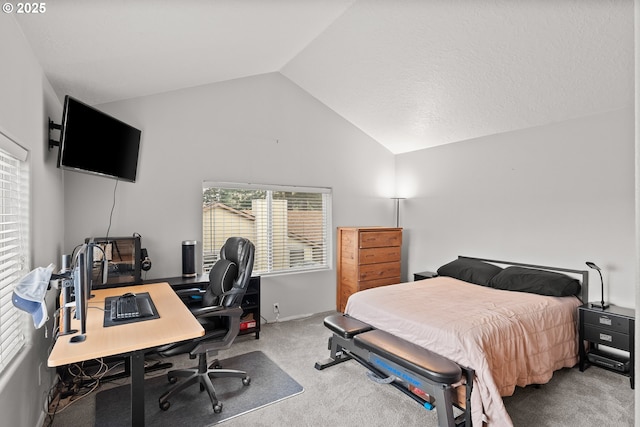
137 388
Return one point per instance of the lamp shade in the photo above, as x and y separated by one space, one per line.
592 265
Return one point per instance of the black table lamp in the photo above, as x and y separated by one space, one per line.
602 305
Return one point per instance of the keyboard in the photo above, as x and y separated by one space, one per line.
130 307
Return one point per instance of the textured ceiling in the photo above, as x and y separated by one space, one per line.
411 74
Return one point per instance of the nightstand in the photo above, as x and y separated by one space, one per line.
612 327
424 275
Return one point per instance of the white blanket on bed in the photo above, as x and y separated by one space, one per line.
508 338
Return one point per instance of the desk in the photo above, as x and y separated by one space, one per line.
250 301
176 323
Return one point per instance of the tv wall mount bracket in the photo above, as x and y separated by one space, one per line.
53 126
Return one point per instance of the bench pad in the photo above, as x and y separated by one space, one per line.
410 356
345 326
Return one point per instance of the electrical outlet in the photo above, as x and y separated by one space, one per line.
276 308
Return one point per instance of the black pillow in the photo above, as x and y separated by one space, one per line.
470 270
536 282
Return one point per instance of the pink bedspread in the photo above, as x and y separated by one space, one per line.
508 338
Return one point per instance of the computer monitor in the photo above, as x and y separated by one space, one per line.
123 261
82 291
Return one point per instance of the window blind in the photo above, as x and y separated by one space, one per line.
13 245
289 226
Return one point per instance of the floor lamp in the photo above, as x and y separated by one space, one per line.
397 199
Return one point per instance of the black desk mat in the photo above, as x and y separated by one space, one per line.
139 297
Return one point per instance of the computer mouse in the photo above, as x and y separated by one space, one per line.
128 295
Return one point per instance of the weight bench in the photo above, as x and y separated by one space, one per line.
426 377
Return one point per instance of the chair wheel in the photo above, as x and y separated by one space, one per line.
172 380
217 408
165 405
246 380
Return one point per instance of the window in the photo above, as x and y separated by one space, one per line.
14 191
289 226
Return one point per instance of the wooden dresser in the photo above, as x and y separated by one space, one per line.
368 257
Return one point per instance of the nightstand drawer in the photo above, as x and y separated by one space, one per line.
607 337
606 321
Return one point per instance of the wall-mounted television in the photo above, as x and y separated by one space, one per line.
94 142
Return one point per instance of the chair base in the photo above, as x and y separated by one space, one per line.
201 375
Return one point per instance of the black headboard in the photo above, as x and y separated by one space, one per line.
584 289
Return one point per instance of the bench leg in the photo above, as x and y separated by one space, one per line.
444 406
337 355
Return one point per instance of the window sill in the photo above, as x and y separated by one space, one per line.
292 272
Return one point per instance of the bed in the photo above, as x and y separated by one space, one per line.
514 326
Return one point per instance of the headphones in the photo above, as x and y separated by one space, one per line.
145 261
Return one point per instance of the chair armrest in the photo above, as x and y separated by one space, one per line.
183 293
233 313
217 310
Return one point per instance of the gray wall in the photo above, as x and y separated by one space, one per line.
556 195
261 129
26 100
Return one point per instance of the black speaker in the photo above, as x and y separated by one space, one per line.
189 258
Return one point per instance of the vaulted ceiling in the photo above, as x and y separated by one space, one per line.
410 73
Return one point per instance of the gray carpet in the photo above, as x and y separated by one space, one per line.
343 396
269 384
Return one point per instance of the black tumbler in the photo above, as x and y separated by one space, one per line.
189 258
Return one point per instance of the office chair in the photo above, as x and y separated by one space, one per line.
219 313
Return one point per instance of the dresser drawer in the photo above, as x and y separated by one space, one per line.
377 255
379 239
379 271
607 322
607 337
368 284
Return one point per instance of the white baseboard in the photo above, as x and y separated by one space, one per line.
296 317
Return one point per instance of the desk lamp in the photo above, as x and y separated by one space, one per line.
602 305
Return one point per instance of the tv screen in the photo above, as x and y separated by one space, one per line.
92 141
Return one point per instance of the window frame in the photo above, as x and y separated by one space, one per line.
327 195
14 251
